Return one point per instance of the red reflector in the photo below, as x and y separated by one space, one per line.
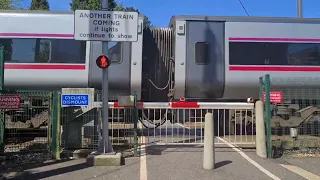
185 105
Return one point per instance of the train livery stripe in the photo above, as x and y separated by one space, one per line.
36 35
46 66
273 68
248 39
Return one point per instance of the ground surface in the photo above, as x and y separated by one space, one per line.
181 163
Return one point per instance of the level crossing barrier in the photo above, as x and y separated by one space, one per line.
182 123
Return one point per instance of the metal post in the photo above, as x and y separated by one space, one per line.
135 123
55 145
261 88
2 116
268 114
107 147
208 150
299 8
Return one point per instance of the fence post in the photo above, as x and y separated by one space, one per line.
55 145
261 85
135 125
268 114
2 115
208 150
261 148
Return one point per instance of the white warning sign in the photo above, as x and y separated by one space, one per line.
106 26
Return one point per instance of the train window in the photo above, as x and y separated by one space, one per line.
44 50
115 51
274 53
304 54
202 53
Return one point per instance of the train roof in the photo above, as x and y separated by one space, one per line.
243 19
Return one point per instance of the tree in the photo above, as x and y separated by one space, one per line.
40 5
121 7
96 5
90 4
9 4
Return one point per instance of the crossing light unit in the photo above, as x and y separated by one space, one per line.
103 62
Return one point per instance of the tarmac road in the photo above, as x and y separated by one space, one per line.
160 162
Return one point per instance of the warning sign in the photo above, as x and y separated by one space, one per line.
275 97
9 101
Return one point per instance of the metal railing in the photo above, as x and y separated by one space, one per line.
161 123
184 123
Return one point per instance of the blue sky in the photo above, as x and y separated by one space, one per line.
160 11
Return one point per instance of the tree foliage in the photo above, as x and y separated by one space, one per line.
40 5
96 5
121 7
90 4
9 4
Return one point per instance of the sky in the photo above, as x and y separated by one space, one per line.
160 11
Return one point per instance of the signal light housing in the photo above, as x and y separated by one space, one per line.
103 62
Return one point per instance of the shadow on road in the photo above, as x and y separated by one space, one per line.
30 175
222 163
163 149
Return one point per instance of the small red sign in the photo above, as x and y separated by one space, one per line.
275 97
9 101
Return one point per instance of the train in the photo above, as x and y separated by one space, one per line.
197 58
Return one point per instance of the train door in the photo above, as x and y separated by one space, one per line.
205 65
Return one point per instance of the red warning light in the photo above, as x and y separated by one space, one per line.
103 62
182 99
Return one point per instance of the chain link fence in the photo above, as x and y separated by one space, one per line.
81 127
293 114
28 128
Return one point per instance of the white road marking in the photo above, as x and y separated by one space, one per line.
143 157
301 172
250 160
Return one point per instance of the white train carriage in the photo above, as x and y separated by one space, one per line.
41 54
197 57
224 56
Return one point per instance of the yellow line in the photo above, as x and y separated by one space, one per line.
301 172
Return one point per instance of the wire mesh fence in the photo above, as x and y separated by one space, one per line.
294 113
81 127
28 128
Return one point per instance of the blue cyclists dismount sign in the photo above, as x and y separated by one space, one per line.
74 100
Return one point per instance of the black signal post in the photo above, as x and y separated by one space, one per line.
103 62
